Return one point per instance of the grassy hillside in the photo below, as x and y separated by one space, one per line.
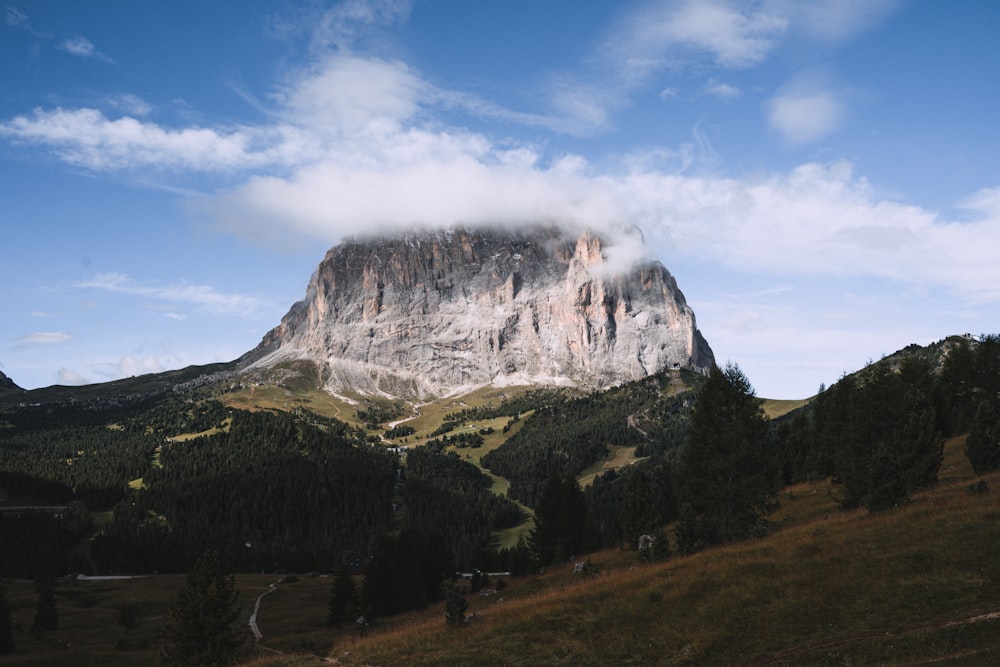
919 584
916 583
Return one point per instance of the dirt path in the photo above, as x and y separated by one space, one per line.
256 608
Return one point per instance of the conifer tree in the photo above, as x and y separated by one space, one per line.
343 605
203 628
638 512
561 521
983 445
6 630
726 477
455 606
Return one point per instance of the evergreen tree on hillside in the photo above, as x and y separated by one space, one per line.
6 630
726 478
983 446
406 572
561 521
343 605
887 442
638 513
203 628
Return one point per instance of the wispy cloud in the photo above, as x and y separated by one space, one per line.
45 338
836 20
14 17
721 90
84 48
130 104
204 297
17 19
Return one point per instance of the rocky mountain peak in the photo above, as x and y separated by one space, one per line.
437 312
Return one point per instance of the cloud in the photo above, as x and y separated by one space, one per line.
15 18
342 27
71 378
206 298
130 104
85 137
129 366
818 220
655 34
348 93
45 338
804 113
721 90
426 183
837 20
84 48
352 145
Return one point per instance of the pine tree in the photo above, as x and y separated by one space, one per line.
561 521
455 606
203 628
727 479
6 630
638 513
983 445
343 605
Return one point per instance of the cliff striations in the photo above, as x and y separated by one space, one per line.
435 313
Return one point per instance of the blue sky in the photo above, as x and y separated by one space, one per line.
822 178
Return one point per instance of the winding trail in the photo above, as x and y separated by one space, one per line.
256 607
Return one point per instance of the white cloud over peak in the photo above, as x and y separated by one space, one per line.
818 220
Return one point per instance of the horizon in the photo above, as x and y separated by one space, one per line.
820 178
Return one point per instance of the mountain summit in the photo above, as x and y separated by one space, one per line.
434 313
7 383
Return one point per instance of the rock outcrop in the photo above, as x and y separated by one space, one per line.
435 313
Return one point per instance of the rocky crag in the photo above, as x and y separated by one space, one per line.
427 314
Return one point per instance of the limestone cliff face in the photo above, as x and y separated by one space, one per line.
435 313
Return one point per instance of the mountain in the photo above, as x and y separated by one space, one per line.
6 384
436 313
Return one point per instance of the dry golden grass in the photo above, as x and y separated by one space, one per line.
774 408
